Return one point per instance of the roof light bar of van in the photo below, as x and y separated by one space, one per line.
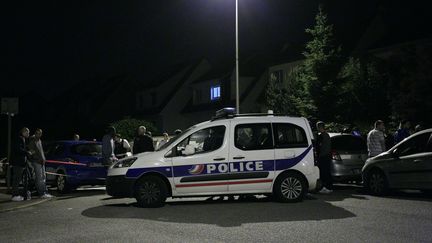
227 112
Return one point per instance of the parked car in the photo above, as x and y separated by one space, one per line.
228 155
71 164
407 165
349 154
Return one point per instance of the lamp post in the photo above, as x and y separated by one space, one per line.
237 62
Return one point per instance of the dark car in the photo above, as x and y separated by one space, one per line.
407 165
71 164
349 154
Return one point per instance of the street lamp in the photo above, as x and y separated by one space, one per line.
237 61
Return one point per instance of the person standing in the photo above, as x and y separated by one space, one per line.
108 146
142 142
403 131
164 140
376 139
121 146
324 157
18 163
38 160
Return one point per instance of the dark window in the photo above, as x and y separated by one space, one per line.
429 146
348 143
205 140
415 145
197 96
54 149
153 98
277 76
90 149
253 136
289 136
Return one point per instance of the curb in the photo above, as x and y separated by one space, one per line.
25 205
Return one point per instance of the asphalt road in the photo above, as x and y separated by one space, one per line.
347 215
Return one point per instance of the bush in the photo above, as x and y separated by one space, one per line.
128 127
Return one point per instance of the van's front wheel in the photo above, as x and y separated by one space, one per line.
151 192
290 187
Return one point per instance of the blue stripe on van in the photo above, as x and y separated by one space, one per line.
185 170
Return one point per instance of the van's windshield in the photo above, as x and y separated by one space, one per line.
174 139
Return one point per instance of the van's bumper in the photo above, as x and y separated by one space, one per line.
120 186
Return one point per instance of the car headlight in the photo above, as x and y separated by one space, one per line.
126 162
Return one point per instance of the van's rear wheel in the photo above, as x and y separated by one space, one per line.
151 192
290 187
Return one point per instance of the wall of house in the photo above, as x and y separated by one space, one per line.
153 97
172 118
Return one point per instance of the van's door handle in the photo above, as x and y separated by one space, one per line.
239 157
218 159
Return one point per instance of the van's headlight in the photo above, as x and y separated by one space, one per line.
126 162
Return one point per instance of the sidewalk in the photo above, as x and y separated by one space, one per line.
7 205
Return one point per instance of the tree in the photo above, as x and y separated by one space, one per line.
128 127
410 86
320 69
364 88
287 97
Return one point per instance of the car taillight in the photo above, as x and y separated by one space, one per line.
335 156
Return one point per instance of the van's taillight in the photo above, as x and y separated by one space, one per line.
315 155
335 156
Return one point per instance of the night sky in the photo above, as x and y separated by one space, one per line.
53 44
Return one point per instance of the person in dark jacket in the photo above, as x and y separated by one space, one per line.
18 163
121 146
324 157
142 142
403 131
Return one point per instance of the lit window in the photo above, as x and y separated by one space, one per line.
215 92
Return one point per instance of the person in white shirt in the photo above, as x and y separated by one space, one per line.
165 140
376 139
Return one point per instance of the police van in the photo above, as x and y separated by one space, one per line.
228 155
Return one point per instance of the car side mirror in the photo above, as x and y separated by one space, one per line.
189 150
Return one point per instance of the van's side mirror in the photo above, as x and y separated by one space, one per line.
189 150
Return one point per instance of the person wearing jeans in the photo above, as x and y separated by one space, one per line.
38 163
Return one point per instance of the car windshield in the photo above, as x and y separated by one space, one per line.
348 143
88 149
174 139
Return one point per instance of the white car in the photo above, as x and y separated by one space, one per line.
229 155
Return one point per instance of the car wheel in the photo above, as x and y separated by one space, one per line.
290 187
151 192
377 183
62 184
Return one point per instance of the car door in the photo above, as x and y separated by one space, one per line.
291 145
204 171
251 156
55 155
412 166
